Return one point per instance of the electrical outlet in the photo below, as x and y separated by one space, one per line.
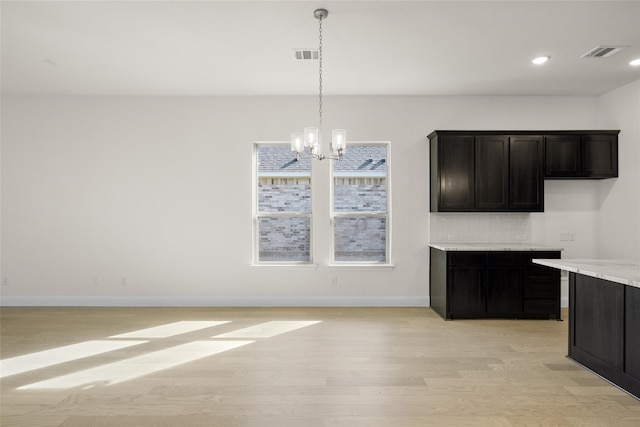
452 237
5 281
567 236
123 281
334 281
521 237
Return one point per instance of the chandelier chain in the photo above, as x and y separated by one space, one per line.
320 71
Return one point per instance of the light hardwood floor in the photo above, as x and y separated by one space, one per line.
378 367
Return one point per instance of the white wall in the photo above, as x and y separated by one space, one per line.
603 214
158 191
619 216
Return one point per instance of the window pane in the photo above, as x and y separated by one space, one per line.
284 239
284 195
360 183
360 238
284 184
360 195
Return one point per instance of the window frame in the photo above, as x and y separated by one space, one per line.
256 214
377 214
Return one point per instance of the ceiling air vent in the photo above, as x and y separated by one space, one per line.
603 51
304 54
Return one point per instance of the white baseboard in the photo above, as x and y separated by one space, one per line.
214 301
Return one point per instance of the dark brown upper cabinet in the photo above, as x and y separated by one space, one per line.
526 160
486 172
581 155
491 173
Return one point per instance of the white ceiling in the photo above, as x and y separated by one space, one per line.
202 48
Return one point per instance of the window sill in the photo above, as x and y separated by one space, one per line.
362 266
354 266
284 265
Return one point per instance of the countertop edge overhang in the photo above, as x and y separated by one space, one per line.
624 271
493 247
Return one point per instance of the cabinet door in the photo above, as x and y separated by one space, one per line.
467 291
492 173
455 155
526 173
632 338
600 156
504 296
562 156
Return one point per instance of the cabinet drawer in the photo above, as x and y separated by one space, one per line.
467 258
504 258
541 290
541 275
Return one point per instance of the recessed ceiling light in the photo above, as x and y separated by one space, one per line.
635 62
540 60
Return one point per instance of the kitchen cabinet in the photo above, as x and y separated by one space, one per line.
504 284
475 171
453 174
541 285
603 329
581 155
504 171
491 177
466 272
526 173
493 284
604 317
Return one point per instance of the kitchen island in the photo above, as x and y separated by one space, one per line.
604 318
493 280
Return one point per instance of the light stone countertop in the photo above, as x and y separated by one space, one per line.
622 271
492 247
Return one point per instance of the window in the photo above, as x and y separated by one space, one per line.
360 204
283 205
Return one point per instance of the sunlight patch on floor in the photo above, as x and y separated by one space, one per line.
135 367
170 329
43 359
268 329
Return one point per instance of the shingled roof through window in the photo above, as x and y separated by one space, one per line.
358 159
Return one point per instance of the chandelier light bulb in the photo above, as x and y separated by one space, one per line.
541 60
338 141
297 142
310 137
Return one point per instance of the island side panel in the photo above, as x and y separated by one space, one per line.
632 333
603 329
598 320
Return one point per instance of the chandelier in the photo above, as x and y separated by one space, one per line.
309 142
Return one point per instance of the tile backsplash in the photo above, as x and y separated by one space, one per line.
479 228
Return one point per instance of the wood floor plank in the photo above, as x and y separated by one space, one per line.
391 367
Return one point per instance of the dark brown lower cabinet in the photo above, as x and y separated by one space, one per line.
467 293
493 284
604 325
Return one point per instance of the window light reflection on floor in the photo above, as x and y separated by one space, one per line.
43 359
268 329
143 364
170 329
135 367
